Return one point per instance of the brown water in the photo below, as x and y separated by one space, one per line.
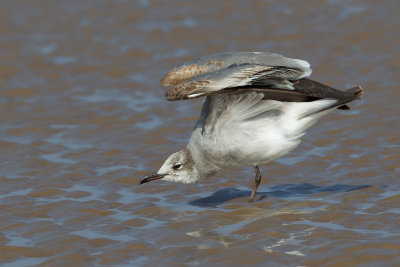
82 119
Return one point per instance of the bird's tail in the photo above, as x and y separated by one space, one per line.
356 92
348 96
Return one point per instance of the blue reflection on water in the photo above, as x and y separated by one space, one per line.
279 191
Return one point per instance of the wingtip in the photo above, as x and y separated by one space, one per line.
175 94
171 96
183 73
166 80
163 82
172 78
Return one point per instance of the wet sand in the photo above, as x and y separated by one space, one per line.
83 118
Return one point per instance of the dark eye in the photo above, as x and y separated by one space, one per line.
177 166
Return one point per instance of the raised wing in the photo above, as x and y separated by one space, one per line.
211 74
219 61
233 77
274 76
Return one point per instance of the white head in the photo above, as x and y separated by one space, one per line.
179 167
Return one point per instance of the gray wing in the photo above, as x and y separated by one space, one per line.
214 73
274 76
227 111
219 61
224 111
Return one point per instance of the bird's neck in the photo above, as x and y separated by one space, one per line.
204 165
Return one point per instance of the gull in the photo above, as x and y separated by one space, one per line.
257 107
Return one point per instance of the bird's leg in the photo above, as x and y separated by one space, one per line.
257 180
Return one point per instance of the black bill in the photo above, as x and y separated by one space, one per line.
150 177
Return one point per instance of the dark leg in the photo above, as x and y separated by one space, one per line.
257 181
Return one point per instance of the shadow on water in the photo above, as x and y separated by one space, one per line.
280 191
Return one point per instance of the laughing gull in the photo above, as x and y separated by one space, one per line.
258 106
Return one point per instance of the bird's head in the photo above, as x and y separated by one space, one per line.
179 167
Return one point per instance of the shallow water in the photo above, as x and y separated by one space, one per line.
82 119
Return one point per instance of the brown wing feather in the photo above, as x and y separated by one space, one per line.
215 62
